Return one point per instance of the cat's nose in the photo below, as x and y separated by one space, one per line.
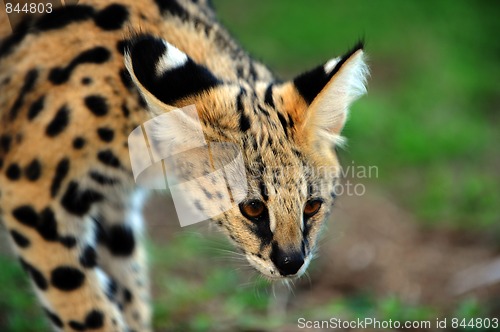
287 262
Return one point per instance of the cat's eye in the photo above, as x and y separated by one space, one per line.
252 209
312 207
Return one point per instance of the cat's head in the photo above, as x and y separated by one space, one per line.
284 134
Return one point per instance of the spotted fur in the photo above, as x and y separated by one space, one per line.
77 81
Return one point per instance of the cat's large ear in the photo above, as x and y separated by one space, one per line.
164 74
329 90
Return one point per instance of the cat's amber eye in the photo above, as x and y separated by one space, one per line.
252 209
312 207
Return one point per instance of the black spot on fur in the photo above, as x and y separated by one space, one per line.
126 79
33 170
44 223
68 241
5 141
262 110
127 295
86 81
94 55
77 201
36 108
105 134
77 326
252 72
102 179
142 102
283 122
97 105
244 120
263 191
108 158
61 172
78 143
120 240
297 153
63 16
291 123
125 111
9 43
26 215
29 83
67 278
174 84
21 240
88 258
58 123
268 98
14 172
172 7
94 319
36 275
47 225
112 17
54 318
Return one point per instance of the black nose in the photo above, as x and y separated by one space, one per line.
287 262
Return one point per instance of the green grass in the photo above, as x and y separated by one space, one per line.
18 309
195 289
202 291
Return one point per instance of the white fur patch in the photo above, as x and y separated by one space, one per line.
332 104
171 59
272 223
102 279
134 217
355 77
331 64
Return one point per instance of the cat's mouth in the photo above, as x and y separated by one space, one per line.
271 272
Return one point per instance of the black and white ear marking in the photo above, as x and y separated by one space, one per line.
310 83
173 58
164 72
330 89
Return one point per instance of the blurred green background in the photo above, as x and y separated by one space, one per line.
430 124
